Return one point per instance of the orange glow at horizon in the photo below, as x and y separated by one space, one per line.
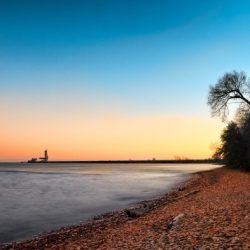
109 138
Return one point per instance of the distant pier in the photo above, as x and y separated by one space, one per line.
134 161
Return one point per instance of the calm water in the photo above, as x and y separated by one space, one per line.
37 198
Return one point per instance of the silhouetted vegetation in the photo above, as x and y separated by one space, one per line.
232 149
235 139
230 88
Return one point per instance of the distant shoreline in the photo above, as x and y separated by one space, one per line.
130 161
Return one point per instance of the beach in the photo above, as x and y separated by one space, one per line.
209 211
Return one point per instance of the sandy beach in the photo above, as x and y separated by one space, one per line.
210 211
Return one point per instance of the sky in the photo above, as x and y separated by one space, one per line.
108 79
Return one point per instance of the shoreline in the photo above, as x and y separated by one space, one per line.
96 233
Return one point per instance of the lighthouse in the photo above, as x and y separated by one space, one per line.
46 157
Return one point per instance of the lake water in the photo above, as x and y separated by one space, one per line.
36 198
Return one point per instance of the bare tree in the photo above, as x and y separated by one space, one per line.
232 87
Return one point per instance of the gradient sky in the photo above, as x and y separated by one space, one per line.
102 79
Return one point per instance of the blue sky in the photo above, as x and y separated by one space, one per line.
150 53
134 58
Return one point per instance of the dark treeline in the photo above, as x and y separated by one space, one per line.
235 139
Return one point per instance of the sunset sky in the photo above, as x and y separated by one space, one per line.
109 79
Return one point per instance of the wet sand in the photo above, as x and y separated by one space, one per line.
210 211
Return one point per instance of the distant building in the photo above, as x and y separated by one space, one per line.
46 157
33 160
